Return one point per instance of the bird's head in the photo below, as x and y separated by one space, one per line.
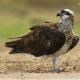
66 14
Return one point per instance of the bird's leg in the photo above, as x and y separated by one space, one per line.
56 64
62 51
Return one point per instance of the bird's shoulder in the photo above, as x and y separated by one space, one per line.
38 29
46 24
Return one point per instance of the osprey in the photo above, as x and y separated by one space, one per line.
48 38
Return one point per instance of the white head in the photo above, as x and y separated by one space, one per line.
66 14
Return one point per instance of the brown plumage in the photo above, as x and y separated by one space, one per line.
74 42
42 40
48 38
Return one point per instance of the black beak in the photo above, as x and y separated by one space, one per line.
58 14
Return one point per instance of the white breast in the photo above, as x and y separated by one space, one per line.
65 26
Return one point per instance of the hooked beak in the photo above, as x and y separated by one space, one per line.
58 14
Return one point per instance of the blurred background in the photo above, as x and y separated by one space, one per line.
17 16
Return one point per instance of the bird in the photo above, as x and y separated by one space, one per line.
48 38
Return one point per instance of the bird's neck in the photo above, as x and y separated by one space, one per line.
65 25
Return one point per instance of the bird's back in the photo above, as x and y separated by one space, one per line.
42 40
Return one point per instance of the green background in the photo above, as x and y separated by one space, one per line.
17 16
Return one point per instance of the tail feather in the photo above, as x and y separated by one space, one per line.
16 46
12 44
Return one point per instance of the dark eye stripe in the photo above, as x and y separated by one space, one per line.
65 12
68 13
62 11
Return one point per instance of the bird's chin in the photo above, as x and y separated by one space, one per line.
65 17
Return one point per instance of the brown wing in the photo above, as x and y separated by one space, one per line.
75 40
40 41
52 25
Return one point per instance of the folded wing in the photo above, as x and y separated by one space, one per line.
42 40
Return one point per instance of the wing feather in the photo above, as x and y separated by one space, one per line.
42 40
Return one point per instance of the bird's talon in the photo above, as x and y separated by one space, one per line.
58 70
